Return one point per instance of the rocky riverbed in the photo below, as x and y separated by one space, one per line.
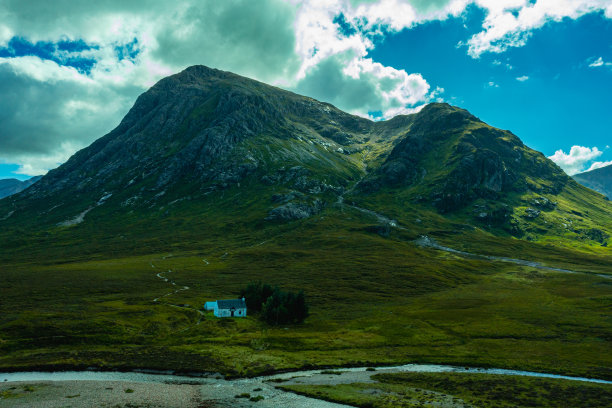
139 390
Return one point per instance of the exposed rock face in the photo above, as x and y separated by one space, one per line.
207 129
197 134
295 211
544 203
460 159
531 213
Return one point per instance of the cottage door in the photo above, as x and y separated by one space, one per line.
232 312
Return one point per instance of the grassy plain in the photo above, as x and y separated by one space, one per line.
461 390
373 300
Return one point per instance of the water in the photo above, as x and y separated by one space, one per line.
169 378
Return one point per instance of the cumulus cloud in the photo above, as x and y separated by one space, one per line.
361 85
510 23
576 160
599 165
50 110
316 47
47 112
522 78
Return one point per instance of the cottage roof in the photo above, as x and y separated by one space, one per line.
231 303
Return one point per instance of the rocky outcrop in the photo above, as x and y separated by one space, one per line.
459 159
595 234
295 211
197 135
543 203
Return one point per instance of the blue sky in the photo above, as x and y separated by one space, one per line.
69 71
559 103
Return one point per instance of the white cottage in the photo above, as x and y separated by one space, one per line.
227 308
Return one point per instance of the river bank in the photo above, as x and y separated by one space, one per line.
138 389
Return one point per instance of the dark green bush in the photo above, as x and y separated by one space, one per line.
285 307
256 294
276 306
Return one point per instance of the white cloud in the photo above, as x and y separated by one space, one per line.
50 111
522 78
360 85
576 160
599 165
599 62
492 84
5 35
391 113
297 44
39 164
510 23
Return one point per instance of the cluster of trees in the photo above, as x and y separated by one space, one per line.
275 305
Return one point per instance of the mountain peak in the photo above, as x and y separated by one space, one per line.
204 131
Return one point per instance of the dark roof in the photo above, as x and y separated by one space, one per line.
228 304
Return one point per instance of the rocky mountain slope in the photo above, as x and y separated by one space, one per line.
599 180
203 134
430 237
13 186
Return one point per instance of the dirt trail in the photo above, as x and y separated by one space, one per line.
161 276
428 242
425 241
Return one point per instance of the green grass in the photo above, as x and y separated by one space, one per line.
461 390
14 392
83 296
373 300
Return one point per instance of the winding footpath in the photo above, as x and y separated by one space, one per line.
425 241
161 276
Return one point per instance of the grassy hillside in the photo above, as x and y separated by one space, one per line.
460 390
213 181
373 300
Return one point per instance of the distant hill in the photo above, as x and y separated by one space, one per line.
598 180
13 186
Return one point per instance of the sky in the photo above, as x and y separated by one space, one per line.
70 70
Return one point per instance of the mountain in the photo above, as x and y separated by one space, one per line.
203 132
13 186
213 180
599 180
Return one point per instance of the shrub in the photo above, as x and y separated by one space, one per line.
276 306
285 307
256 294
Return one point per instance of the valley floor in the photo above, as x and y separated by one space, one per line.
375 299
